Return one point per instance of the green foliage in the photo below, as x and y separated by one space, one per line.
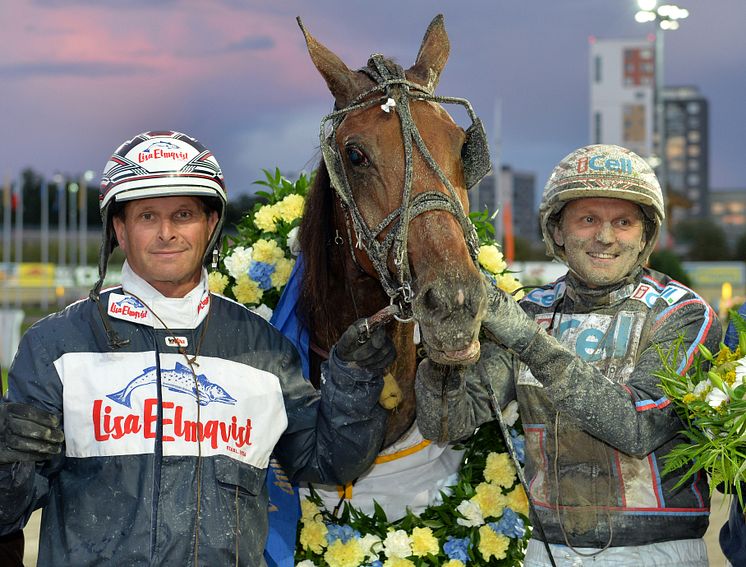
668 262
706 239
710 401
482 221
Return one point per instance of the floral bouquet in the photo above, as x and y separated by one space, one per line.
481 520
711 401
256 264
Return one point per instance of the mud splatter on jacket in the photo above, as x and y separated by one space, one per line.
597 425
128 488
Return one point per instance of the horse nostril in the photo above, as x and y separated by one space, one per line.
430 300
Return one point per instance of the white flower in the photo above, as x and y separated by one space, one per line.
740 372
371 545
510 413
292 241
472 515
238 262
702 388
716 397
397 544
263 311
443 487
305 563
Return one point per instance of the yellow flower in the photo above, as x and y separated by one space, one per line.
516 500
730 377
281 275
265 218
509 284
217 282
267 251
247 291
398 562
490 499
491 259
309 511
453 563
492 544
689 398
290 208
723 355
424 542
348 554
499 470
313 536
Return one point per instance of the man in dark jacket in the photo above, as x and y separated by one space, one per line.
142 419
580 357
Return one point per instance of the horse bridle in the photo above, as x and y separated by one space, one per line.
397 91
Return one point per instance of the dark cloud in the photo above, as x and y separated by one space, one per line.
90 70
527 57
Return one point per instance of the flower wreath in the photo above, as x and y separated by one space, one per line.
482 518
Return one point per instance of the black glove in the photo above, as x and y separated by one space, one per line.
506 322
373 351
28 433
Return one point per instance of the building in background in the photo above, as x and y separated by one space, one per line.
728 209
622 112
514 198
622 79
687 151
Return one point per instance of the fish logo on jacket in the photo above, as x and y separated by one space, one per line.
180 379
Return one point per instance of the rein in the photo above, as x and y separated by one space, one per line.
396 91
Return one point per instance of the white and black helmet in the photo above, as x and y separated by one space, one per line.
602 170
158 164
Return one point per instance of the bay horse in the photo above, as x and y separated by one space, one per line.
386 219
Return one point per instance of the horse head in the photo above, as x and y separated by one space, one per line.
401 168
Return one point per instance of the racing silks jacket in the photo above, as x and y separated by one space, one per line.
165 466
596 423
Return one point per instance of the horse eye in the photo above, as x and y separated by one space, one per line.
357 157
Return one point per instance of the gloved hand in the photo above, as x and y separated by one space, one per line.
506 322
373 350
28 433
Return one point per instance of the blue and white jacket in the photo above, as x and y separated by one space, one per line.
162 465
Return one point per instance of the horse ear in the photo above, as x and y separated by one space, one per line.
433 54
342 82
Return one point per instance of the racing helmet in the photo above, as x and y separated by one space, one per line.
602 170
158 164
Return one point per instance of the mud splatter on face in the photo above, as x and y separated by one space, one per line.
602 238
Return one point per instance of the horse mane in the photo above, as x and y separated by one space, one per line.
315 237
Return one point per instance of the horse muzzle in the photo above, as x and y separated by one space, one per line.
449 312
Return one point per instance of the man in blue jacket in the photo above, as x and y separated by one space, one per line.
142 419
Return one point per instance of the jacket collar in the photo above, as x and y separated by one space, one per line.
158 310
612 294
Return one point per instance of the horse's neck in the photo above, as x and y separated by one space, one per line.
357 295
352 294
